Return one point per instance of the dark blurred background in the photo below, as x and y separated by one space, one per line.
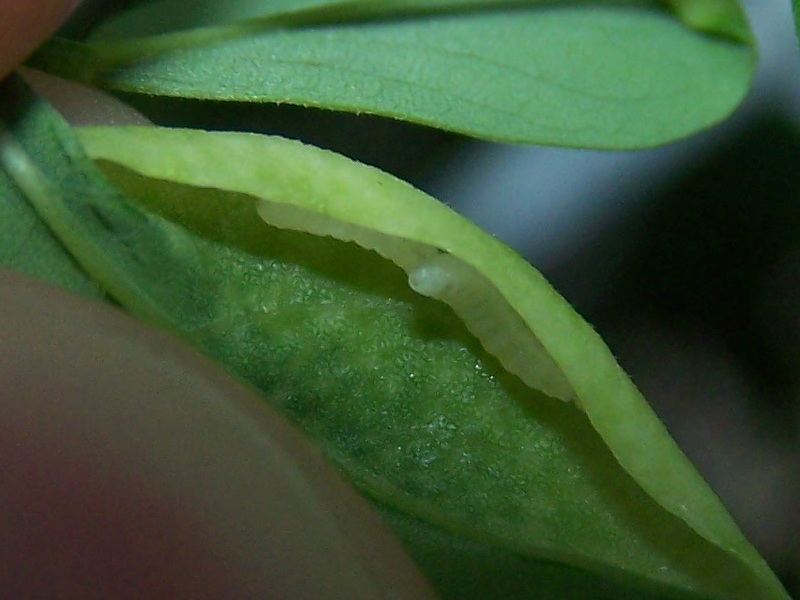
686 258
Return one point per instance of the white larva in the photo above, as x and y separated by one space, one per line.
443 276
487 315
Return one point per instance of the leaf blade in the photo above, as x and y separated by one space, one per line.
588 77
167 16
26 244
316 181
722 17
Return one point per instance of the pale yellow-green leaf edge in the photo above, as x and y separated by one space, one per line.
306 188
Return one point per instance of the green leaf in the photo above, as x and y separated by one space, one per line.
466 461
723 17
26 243
44 170
472 569
168 16
613 75
326 194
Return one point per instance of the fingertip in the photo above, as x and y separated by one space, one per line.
132 467
80 105
26 25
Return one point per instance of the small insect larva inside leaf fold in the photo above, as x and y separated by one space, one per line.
445 277
488 316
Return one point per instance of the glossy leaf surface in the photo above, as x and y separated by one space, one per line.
612 75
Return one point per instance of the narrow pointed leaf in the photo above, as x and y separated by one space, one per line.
323 193
573 75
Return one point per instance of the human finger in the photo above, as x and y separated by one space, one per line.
25 25
131 467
